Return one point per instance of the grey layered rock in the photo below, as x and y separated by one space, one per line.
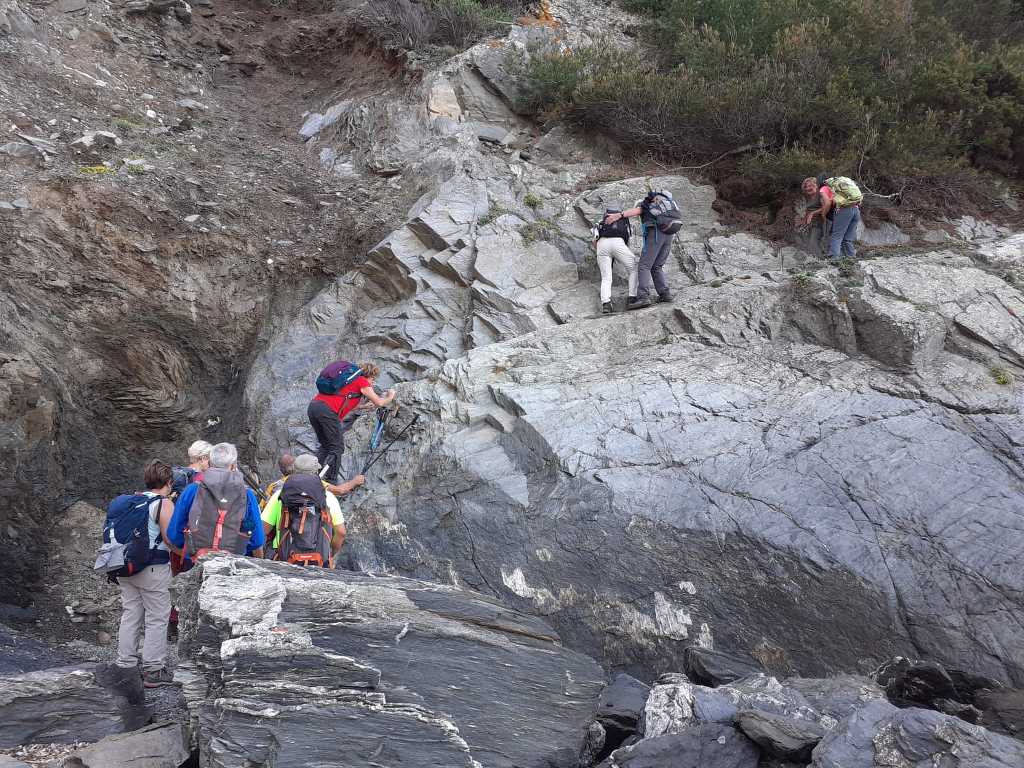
1002 711
69 704
21 150
879 735
813 443
292 663
708 745
16 23
779 736
157 746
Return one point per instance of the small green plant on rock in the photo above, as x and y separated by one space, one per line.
532 201
95 170
128 125
542 229
1001 376
847 267
802 280
492 213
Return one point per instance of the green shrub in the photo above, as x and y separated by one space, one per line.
897 99
1001 376
532 201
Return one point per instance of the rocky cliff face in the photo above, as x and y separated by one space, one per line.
815 466
818 467
155 218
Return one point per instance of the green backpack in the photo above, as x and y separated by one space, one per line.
845 190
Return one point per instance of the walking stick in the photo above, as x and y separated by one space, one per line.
387 447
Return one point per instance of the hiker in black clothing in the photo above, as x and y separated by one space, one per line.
327 411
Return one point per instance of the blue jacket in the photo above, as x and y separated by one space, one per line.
251 524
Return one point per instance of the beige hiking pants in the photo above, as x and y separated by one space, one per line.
611 249
145 601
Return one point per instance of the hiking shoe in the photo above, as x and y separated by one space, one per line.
665 298
157 678
638 302
606 308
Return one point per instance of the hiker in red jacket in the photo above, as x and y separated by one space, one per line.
342 387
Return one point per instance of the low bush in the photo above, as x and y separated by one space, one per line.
408 25
900 94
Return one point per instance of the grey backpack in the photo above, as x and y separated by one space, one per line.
666 213
217 513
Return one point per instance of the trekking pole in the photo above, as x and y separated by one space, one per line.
383 416
387 447
253 486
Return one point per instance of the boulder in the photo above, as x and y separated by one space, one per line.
163 745
880 735
94 140
836 697
675 704
621 705
293 663
69 704
974 698
10 762
708 745
713 668
783 737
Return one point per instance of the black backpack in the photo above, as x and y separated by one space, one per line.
181 478
305 522
620 228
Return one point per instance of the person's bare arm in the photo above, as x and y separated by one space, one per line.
373 397
613 217
337 541
341 490
826 205
268 529
166 510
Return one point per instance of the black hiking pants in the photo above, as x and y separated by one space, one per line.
329 437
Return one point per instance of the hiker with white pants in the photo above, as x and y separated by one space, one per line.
611 241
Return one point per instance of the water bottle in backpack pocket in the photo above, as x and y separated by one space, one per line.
127 548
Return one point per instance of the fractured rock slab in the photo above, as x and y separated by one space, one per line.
293 663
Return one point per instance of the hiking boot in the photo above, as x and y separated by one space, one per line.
638 302
606 308
157 678
665 298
